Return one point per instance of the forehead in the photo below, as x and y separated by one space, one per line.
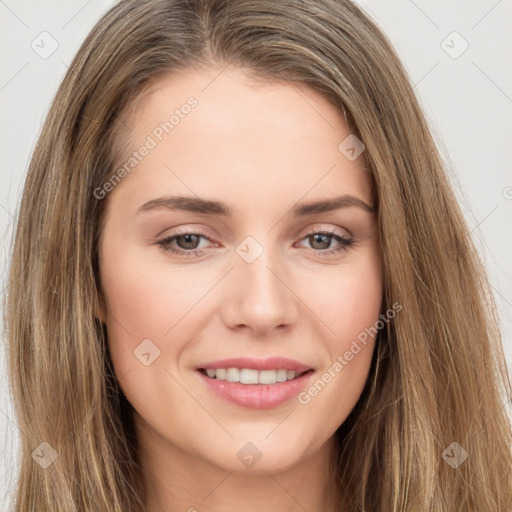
258 140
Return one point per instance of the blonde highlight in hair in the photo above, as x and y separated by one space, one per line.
438 374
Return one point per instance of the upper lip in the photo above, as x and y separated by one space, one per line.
271 363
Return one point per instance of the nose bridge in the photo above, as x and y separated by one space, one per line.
258 296
258 264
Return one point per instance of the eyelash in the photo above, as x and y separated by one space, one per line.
165 243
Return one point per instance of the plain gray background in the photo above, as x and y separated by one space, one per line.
455 52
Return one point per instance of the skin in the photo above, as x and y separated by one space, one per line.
260 148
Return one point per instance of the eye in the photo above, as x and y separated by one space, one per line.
321 240
188 242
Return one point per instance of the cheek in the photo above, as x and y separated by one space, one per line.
150 311
148 303
347 300
349 304
143 303
148 299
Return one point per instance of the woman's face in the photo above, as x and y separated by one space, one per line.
248 281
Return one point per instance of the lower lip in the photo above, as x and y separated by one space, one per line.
257 396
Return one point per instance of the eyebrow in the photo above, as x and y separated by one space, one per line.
209 207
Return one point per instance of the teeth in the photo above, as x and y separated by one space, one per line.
233 375
281 375
267 377
250 376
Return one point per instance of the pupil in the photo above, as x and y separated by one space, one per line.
325 237
188 241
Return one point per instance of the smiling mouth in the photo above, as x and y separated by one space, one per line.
251 376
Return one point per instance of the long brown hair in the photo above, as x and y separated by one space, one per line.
438 375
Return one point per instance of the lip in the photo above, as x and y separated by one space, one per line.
257 396
271 363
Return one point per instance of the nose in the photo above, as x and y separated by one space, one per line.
259 297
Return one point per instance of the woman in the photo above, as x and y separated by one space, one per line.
333 346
